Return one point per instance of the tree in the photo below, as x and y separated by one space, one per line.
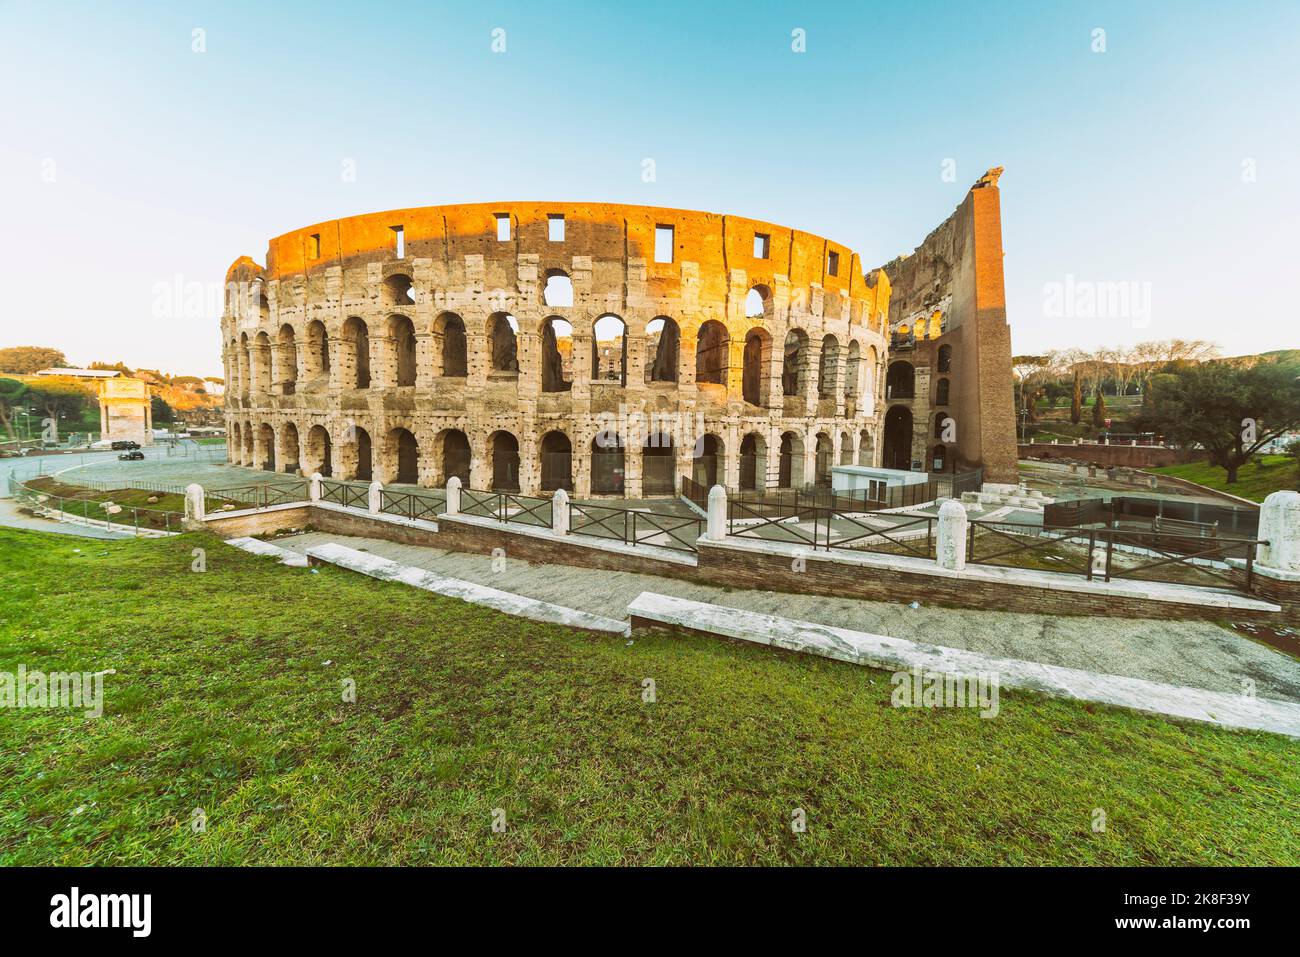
121 367
25 360
1099 409
1030 372
13 394
1076 404
1229 410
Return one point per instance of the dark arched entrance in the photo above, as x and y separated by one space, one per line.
898 438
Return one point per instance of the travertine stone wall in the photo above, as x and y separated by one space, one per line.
342 354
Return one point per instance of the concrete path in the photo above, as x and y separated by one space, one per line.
11 517
1188 653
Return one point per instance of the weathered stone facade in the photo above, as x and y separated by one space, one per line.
415 344
951 348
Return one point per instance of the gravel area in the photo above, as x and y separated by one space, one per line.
1191 653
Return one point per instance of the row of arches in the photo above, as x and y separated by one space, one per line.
259 367
397 456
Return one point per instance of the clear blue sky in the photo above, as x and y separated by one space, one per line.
1122 166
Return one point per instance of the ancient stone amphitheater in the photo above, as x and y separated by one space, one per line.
608 350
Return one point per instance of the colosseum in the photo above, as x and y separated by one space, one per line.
605 349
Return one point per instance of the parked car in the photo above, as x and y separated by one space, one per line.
125 445
133 456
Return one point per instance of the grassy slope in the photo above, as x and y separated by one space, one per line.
222 700
1253 482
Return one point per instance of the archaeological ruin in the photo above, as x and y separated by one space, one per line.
613 350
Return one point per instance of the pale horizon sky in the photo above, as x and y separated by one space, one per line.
1165 166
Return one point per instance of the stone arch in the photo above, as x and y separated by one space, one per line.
248 444
245 360
451 351
558 291
557 462
941 390
658 464
401 457
828 368
356 344
287 448
846 448
753 462
398 290
317 457
452 449
503 345
900 381
794 362
708 467
318 350
823 460
758 302
663 334
756 357
711 344
265 451
401 330
609 361
504 449
790 461
557 355
286 364
898 438
940 419
608 463
362 451
262 364
851 370
944 365
234 443
865 447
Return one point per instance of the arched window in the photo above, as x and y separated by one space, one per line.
558 291
711 353
900 381
398 291
318 350
607 458
707 466
755 358
286 360
756 301
940 423
402 331
455 455
402 455
824 451
846 448
945 359
262 363
365 469
827 378
662 342
557 355
357 337
941 392
318 452
794 362
609 350
449 346
851 371
557 462
287 454
658 465
502 329
790 461
753 462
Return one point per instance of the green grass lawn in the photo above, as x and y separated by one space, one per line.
1267 473
227 696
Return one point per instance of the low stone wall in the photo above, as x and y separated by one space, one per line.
1131 456
841 576
265 521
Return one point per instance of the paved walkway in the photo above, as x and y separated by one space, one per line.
11 517
1192 653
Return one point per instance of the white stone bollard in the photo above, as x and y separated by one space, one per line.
453 496
950 547
194 502
1099 561
560 512
314 489
1279 525
376 498
716 530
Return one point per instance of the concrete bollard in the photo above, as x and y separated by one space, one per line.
1279 525
375 500
314 488
950 547
717 526
453 496
559 512
194 502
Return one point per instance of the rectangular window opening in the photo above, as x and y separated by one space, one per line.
503 227
313 246
762 245
555 227
663 244
401 242
833 265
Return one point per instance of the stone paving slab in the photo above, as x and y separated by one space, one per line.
896 654
255 546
